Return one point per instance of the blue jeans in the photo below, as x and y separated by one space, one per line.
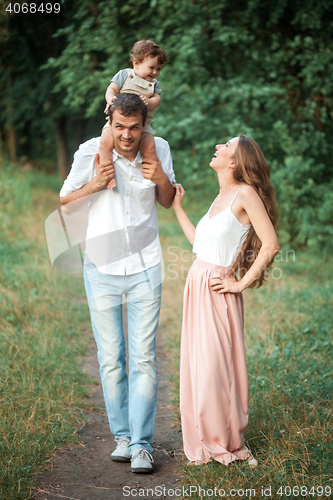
131 399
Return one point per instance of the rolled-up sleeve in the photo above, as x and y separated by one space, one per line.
82 170
157 88
164 154
120 78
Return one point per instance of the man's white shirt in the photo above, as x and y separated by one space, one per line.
117 212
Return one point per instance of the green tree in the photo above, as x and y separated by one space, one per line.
254 67
34 120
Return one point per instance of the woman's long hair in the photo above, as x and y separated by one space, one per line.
252 169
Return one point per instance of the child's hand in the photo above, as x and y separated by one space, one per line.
178 199
144 99
109 104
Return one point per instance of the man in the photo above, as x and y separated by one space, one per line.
123 259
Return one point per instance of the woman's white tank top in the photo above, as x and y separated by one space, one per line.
219 239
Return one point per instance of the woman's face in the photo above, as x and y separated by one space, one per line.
225 153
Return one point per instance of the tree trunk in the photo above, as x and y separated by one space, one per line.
9 131
1 146
61 146
79 132
10 138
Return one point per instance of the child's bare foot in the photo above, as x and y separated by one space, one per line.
112 184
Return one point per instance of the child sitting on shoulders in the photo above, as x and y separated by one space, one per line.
148 59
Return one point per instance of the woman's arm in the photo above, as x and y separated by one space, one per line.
251 202
184 221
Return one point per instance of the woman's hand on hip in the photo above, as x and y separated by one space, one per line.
224 285
178 199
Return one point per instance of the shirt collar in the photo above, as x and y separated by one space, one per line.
137 161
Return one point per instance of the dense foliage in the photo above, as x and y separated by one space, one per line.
256 67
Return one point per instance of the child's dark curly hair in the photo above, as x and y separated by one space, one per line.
148 48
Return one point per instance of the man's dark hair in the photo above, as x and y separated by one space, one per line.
128 105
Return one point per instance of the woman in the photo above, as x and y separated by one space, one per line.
236 234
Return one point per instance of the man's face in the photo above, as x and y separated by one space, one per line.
127 132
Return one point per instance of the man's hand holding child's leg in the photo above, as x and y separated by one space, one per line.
147 146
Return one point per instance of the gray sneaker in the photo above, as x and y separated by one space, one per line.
141 461
122 452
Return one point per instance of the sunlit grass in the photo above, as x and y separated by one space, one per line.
288 338
41 335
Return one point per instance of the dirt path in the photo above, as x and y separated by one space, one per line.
86 472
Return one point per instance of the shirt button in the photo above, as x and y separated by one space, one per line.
126 213
126 194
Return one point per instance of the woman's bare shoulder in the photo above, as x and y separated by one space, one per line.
248 192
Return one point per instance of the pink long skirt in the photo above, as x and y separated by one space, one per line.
213 373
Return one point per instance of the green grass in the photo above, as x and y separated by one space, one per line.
42 335
288 338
